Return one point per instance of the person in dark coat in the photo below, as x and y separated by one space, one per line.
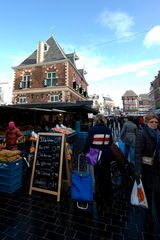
100 137
13 136
128 136
147 147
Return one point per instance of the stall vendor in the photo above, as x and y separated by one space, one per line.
13 136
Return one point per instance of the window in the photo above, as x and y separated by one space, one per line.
85 94
74 85
45 47
25 83
54 98
22 100
51 79
80 90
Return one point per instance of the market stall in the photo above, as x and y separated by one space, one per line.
30 119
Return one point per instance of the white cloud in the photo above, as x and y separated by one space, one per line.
152 37
118 21
142 73
104 78
98 70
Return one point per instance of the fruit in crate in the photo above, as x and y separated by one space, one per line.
32 138
62 130
10 155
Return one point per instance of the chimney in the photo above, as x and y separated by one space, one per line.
40 52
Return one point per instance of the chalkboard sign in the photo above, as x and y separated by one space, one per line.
48 162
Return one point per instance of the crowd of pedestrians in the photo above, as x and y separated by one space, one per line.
140 137
147 164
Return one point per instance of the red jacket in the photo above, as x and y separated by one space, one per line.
12 135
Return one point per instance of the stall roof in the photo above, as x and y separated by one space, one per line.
17 107
47 110
60 107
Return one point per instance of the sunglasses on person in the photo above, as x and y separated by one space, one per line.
153 122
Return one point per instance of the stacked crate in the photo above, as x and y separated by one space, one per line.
11 175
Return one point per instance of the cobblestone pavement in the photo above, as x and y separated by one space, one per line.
39 216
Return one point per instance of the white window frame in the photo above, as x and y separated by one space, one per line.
54 98
51 79
22 100
26 81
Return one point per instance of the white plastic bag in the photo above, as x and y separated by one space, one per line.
138 196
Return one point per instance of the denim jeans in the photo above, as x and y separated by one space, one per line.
129 153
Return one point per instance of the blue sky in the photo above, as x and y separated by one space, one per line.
117 41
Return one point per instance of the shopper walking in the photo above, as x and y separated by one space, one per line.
100 137
128 136
147 164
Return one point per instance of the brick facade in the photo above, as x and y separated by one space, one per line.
50 80
155 92
130 102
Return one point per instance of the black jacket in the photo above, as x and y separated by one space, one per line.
144 146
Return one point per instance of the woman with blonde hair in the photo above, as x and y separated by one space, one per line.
147 163
100 137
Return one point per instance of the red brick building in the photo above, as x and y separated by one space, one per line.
49 75
130 102
155 92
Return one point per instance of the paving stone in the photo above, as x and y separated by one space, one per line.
40 217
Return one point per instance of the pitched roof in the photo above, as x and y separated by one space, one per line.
82 72
144 95
54 53
129 93
108 99
72 57
31 59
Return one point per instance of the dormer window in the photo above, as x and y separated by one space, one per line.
45 47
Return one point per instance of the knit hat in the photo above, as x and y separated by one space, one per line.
11 125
